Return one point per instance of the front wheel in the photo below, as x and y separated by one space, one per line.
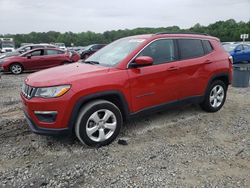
99 123
16 68
215 96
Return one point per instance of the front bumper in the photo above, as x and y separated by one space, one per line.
45 131
48 124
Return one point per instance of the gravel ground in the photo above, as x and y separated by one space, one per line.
183 147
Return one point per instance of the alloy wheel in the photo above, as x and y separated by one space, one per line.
101 125
16 69
217 95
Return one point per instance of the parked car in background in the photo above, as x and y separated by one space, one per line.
7 45
36 59
26 48
74 56
89 50
129 77
61 46
239 52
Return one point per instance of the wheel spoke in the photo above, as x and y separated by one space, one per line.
92 130
95 117
220 98
101 135
211 98
215 102
110 126
213 91
220 90
107 115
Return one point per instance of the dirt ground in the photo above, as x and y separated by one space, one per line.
183 147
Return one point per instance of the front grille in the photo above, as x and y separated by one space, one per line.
28 91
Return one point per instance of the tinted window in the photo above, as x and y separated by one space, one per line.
207 46
246 47
96 47
52 52
161 51
240 47
190 48
37 53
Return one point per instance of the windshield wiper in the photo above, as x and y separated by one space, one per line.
92 62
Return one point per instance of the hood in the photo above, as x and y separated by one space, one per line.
9 54
64 74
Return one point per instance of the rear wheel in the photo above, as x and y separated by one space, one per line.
99 123
215 96
16 68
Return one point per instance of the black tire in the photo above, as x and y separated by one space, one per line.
16 68
66 63
85 56
84 121
211 106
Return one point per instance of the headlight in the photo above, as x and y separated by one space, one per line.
50 92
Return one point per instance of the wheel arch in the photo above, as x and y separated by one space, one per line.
222 76
12 63
115 97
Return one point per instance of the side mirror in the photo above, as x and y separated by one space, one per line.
237 50
29 56
143 61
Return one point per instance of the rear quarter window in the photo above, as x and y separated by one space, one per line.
208 48
190 48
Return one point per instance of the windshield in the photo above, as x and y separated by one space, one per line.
87 47
229 47
113 53
7 45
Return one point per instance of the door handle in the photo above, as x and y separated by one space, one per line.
208 62
173 68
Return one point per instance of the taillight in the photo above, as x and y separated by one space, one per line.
231 59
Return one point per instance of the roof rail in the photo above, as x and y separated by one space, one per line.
193 33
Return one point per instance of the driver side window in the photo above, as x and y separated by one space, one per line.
162 51
37 53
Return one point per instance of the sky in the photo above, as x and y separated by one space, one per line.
25 16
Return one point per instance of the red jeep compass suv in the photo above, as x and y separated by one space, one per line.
130 76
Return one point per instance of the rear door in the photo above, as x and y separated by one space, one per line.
193 66
54 58
159 83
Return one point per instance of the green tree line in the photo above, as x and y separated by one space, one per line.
228 30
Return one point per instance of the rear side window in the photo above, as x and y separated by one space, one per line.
190 48
240 47
162 51
53 52
207 46
246 47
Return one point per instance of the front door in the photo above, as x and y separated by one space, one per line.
34 60
159 83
